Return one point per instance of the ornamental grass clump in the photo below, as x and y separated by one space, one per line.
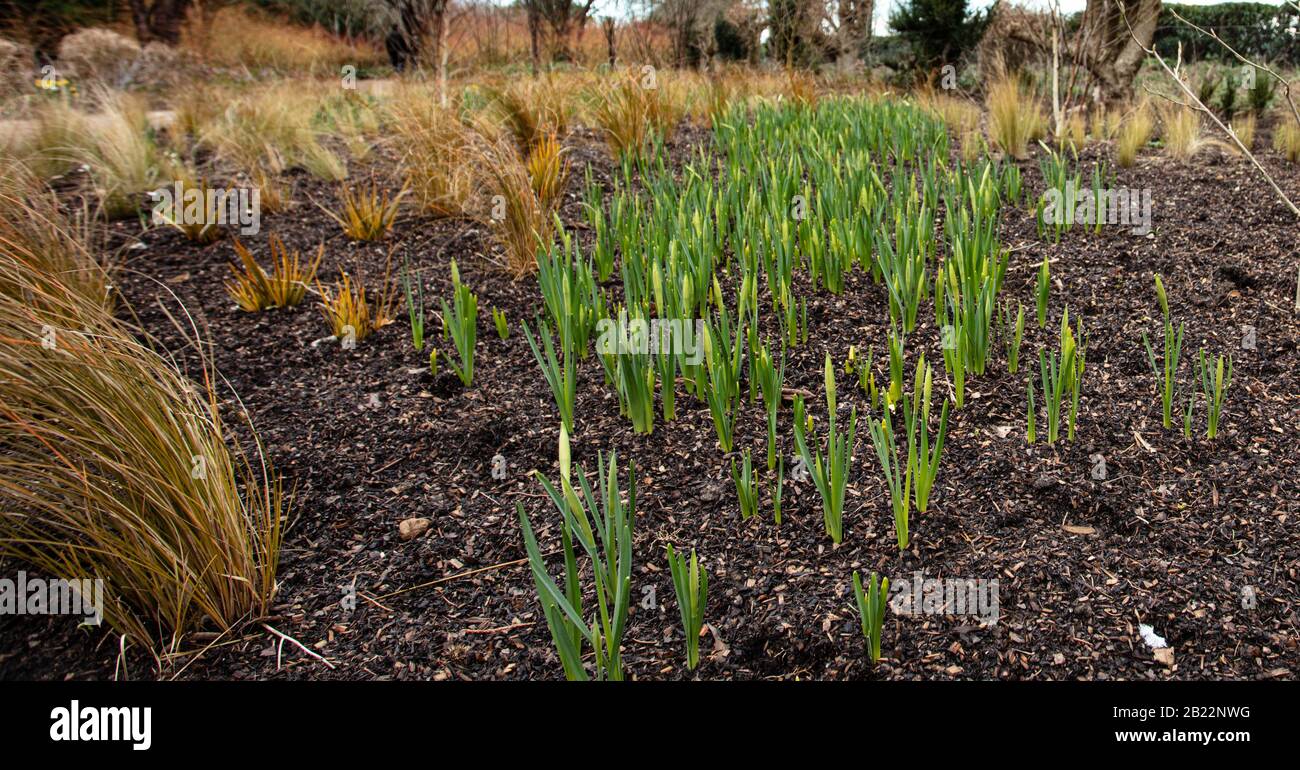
1134 133
136 480
623 115
1015 115
522 224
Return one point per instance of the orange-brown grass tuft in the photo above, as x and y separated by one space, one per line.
116 466
532 109
437 151
801 88
368 214
521 223
623 117
1015 115
1286 139
255 289
244 39
1134 133
548 170
349 312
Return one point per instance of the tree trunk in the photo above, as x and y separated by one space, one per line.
854 30
607 24
160 20
1110 52
535 35
441 50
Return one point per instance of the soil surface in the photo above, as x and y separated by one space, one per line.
1190 536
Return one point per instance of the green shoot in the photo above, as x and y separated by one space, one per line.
830 472
1031 433
1168 372
1061 377
1014 336
691 583
499 320
746 486
1214 384
923 460
871 609
1042 290
414 305
602 525
778 491
562 378
461 321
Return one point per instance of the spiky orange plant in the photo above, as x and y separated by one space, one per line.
203 231
367 214
548 169
255 289
349 312
521 224
346 310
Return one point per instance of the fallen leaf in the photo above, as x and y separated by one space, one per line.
1143 442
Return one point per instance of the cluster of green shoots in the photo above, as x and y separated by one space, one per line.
1213 380
460 322
829 470
1066 183
910 477
691 584
1061 377
871 610
601 526
573 307
967 285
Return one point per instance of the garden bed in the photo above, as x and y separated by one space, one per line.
1190 536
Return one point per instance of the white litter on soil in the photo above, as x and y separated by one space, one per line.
1149 635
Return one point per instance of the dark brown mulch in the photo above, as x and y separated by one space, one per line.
1172 537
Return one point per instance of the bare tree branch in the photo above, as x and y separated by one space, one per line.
1200 107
